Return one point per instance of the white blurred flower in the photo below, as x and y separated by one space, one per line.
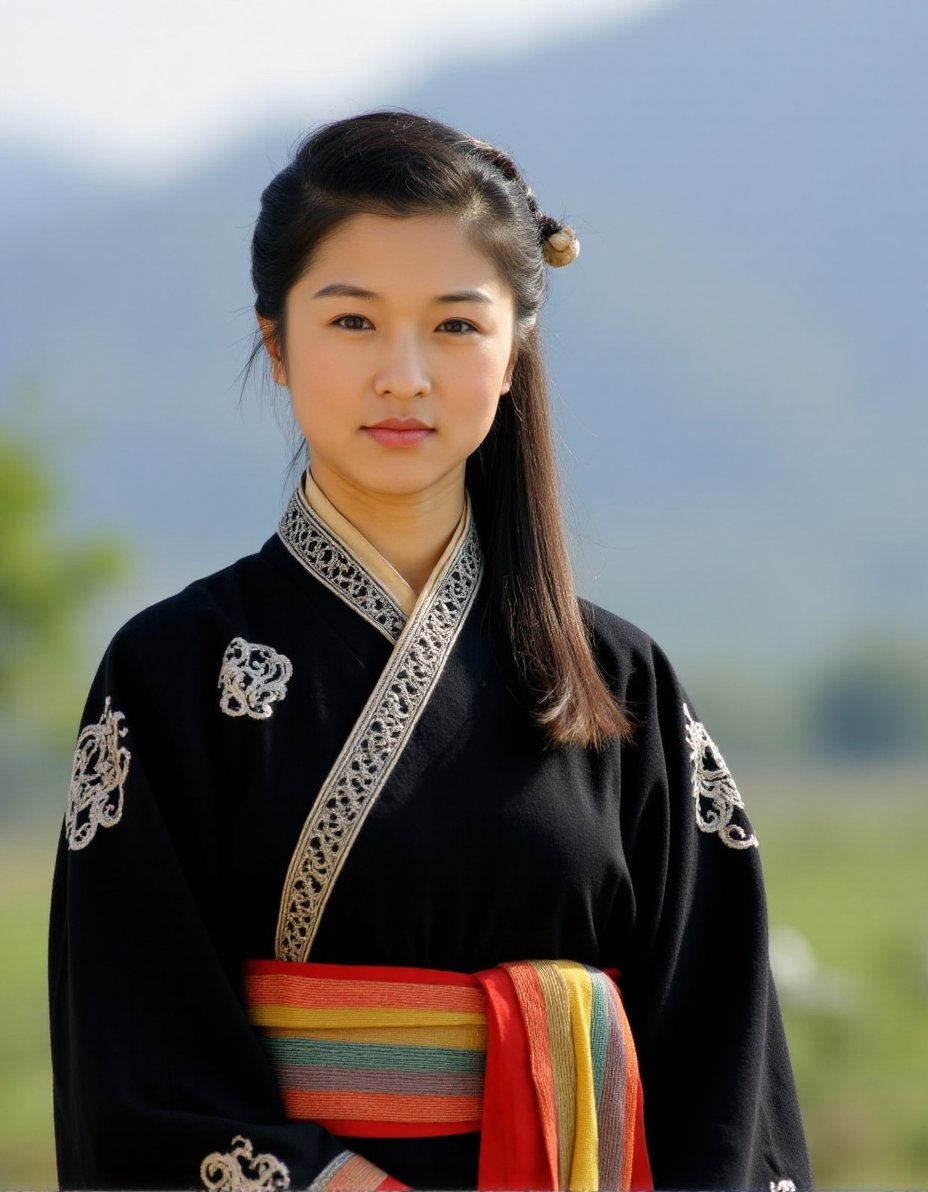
802 981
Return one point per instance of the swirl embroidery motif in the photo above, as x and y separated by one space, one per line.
252 678
241 1170
101 766
714 785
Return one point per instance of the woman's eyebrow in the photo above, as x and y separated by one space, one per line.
466 296
338 289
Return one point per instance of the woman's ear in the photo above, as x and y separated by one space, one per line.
272 344
510 367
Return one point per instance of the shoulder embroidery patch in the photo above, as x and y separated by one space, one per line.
782 1186
241 1170
98 777
252 678
714 786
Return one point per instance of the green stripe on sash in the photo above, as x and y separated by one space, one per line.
599 1035
375 1055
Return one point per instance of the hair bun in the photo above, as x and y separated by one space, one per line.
561 247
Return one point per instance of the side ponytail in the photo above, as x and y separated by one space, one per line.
512 481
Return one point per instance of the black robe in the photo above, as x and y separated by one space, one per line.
445 837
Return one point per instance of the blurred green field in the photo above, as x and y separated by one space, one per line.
26 1145
845 858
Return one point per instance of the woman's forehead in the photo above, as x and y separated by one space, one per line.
432 254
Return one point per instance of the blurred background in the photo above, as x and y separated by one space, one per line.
740 361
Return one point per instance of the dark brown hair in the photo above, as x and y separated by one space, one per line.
402 164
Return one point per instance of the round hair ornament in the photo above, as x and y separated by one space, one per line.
561 247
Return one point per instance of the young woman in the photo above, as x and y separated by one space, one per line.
387 861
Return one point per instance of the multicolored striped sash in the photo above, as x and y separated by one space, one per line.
536 1055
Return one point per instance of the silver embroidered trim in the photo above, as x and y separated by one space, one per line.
324 554
362 1174
241 1170
714 785
374 746
98 777
782 1186
252 679
331 1169
349 1172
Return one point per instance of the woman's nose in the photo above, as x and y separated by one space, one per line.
403 370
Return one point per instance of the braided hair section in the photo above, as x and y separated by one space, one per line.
559 243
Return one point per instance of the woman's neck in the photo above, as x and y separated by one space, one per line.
410 530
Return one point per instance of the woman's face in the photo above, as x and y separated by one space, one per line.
403 322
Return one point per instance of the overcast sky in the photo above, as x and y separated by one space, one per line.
141 86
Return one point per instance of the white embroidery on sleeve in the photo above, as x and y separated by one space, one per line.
714 785
101 766
252 678
782 1186
241 1170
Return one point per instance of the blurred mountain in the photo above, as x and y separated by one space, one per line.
37 188
739 354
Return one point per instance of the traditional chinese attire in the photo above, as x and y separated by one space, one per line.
327 913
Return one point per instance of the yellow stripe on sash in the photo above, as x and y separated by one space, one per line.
461 1038
584 1168
309 1016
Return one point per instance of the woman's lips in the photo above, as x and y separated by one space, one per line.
392 436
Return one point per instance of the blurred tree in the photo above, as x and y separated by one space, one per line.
48 581
873 703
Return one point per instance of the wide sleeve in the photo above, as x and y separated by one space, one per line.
159 1078
720 1102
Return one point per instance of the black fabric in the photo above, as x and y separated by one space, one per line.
482 848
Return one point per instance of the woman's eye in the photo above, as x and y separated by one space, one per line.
352 322
458 326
